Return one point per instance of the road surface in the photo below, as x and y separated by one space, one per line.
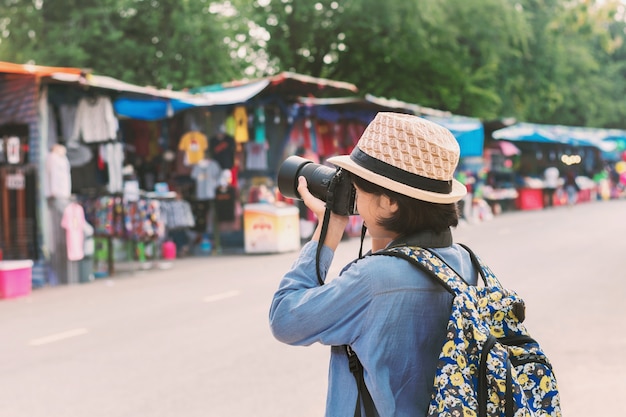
194 340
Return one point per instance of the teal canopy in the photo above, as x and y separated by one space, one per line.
469 132
558 134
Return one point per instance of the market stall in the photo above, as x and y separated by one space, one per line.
574 151
225 145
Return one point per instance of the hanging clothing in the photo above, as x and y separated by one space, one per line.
79 155
256 156
309 126
200 210
113 155
225 198
73 222
259 125
177 214
143 135
58 180
241 124
230 125
53 127
95 120
13 155
326 138
222 150
67 117
194 144
207 174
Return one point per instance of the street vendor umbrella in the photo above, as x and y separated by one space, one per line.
507 148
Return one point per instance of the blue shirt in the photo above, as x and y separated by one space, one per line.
391 313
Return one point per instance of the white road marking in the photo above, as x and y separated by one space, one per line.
57 337
221 296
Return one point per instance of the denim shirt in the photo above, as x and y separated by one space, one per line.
391 313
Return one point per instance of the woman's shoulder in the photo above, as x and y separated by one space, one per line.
385 272
383 264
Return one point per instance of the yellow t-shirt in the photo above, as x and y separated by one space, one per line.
194 144
241 124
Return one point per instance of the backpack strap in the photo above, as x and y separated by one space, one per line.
432 265
436 267
363 394
488 277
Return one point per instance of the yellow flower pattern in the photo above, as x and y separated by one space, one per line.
468 412
456 379
481 316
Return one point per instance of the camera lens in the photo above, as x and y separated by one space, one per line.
318 177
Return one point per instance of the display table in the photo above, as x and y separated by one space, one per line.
271 228
529 198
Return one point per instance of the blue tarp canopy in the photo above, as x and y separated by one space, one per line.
134 101
558 134
147 108
468 131
142 108
157 108
164 104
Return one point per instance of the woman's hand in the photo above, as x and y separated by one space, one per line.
336 225
314 204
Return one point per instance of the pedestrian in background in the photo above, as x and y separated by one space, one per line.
571 188
550 184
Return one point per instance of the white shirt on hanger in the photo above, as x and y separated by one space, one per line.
95 120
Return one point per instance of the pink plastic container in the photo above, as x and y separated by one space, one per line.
15 278
168 250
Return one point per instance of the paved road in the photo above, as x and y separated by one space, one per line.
194 340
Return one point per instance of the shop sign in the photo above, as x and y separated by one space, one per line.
15 181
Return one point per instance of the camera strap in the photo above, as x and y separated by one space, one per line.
330 197
363 232
318 253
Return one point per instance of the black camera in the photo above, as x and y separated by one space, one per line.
332 186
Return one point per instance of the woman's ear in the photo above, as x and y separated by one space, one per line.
388 205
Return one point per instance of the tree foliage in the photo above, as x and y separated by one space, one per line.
177 43
544 61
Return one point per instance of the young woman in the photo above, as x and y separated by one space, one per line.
391 314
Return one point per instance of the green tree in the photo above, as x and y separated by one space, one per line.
568 74
19 24
544 61
441 54
177 43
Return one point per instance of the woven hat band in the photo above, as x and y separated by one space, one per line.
399 175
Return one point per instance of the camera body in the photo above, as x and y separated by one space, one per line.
332 186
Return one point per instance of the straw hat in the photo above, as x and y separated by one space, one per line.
409 155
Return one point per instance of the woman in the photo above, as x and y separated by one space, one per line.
389 312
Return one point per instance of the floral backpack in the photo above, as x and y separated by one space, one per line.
488 365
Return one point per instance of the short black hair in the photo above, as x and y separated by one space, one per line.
413 215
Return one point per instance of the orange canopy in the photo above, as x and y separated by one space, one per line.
42 71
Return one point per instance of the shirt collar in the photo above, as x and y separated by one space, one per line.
424 239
